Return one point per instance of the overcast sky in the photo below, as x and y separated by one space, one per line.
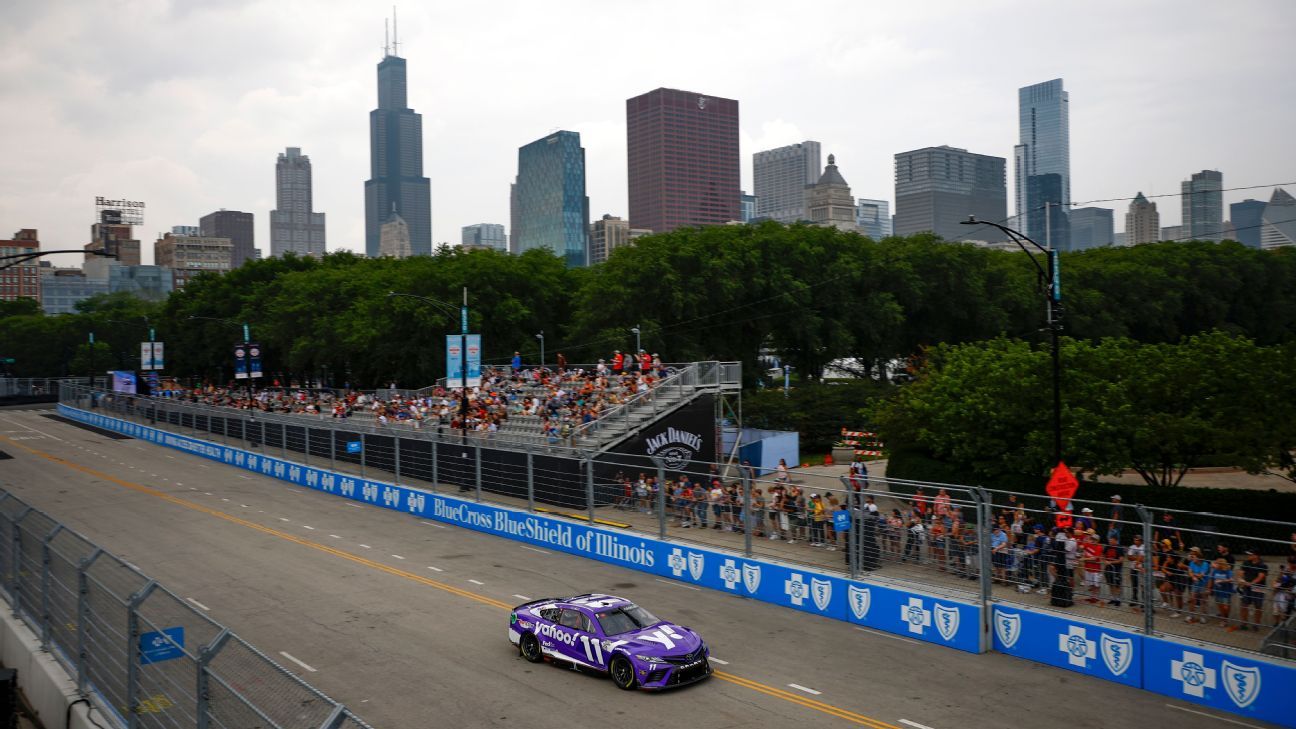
185 105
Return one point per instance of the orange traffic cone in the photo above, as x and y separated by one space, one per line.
828 461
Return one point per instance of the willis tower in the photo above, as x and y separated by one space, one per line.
396 183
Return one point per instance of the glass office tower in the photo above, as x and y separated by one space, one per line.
1044 148
396 181
551 209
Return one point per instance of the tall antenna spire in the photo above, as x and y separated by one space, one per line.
386 40
395 40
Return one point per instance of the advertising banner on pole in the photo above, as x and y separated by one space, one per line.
146 356
157 356
254 360
240 362
454 360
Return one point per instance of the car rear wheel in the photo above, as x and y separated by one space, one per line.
622 673
529 647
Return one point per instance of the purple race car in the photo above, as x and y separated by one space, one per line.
611 635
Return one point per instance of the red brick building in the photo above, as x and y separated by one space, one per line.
22 280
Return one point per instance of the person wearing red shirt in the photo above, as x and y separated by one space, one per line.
618 362
1093 561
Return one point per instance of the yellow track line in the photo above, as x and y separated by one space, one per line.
777 693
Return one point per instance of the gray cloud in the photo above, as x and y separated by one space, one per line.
185 104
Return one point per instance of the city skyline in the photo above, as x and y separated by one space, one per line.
292 80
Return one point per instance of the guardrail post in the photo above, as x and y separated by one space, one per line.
530 468
133 653
589 488
15 584
364 447
202 696
332 450
1148 584
477 469
283 440
747 512
335 719
396 455
45 586
661 498
306 431
83 616
985 565
434 461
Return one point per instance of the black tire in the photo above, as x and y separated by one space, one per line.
529 647
622 673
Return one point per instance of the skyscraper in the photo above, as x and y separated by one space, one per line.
747 207
780 177
1142 222
873 217
1246 216
294 227
1092 228
1044 148
485 235
682 153
939 187
1278 223
393 238
188 256
1203 205
238 227
552 210
396 161
829 201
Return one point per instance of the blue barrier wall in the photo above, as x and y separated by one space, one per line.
1237 683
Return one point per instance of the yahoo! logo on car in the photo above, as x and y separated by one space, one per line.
550 630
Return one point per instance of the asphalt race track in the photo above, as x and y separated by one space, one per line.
405 621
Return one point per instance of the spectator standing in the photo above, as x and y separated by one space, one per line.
781 472
700 497
618 363
1061 591
1136 555
971 552
1251 588
1222 584
936 540
1198 581
817 516
1284 586
1037 559
1168 529
920 503
999 553
716 498
1113 560
562 363
957 556
1116 521
517 362
941 504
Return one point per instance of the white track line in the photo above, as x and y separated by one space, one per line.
335 536
24 427
295 660
435 569
308 527
366 546
523 598
477 582
1211 716
888 635
204 607
713 659
397 556
799 687
533 549
677 584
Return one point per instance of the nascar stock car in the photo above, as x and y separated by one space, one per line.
611 635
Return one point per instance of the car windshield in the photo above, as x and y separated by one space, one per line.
626 619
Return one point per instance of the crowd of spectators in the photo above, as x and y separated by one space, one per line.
561 402
1096 561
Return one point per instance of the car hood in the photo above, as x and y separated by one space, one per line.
661 640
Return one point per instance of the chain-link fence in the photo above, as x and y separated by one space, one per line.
1113 562
145 656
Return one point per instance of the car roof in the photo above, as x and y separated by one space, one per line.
587 601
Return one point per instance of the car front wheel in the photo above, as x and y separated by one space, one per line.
622 673
529 647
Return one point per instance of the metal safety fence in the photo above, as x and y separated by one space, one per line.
145 657
1155 571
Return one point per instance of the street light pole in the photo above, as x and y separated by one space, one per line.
540 336
638 348
1051 278
92 361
